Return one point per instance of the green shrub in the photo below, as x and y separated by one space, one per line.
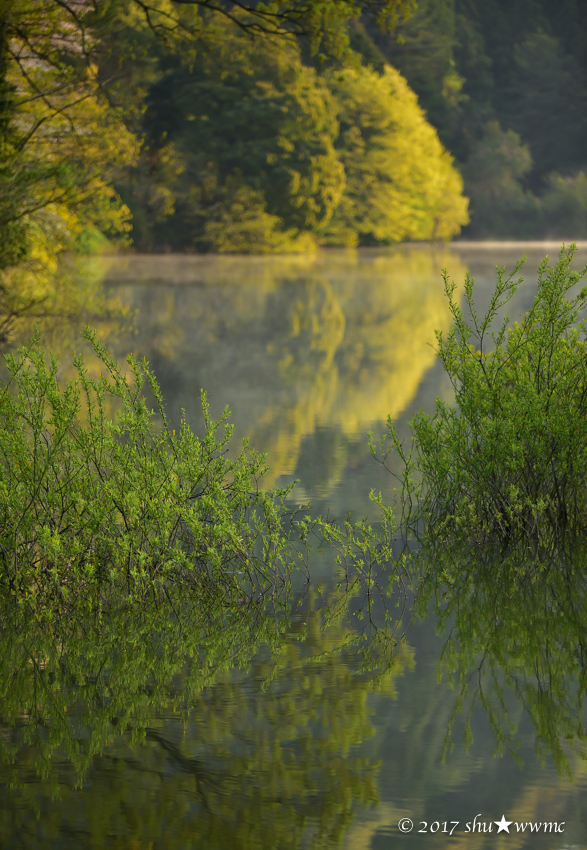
101 501
509 458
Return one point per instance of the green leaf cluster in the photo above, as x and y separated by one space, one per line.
509 457
400 181
102 501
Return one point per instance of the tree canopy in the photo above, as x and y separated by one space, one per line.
323 23
520 66
252 132
239 125
401 184
61 143
258 151
258 129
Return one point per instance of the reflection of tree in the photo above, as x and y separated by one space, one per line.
516 645
233 763
425 773
322 459
389 341
78 300
337 341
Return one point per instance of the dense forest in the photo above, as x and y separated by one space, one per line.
252 149
505 84
267 147
224 127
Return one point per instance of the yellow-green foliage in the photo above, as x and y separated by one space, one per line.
241 224
508 460
90 503
401 182
262 153
244 140
62 143
247 147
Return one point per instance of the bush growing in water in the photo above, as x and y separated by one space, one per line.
509 458
95 510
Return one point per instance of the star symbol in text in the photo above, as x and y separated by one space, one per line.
503 824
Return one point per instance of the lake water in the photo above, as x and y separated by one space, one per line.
310 354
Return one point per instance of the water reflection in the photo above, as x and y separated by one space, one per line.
266 755
491 720
285 748
515 624
295 346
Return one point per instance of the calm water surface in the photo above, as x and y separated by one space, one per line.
310 353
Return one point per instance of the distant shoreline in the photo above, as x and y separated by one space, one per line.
534 243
